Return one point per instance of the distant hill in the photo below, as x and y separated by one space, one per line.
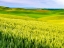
31 12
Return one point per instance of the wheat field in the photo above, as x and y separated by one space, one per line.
20 33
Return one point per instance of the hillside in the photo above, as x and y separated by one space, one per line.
31 28
34 13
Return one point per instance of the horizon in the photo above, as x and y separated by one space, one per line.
52 4
31 7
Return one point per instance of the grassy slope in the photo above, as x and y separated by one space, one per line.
31 30
53 19
17 33
26 12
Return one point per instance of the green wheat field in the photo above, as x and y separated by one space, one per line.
31 28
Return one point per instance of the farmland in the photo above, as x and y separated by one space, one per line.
31 29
